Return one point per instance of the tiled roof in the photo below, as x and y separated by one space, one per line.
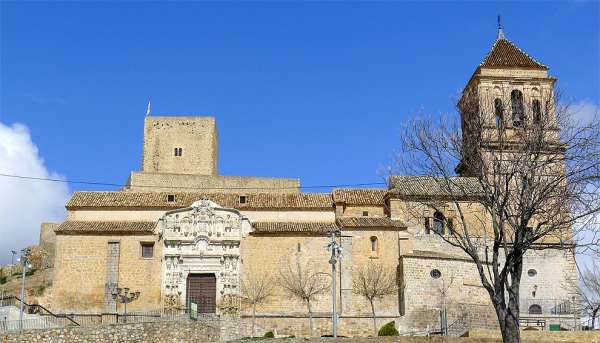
504 54
105 227
359 196
298 227
428 186
129 199
364 222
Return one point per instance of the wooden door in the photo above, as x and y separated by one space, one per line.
202 289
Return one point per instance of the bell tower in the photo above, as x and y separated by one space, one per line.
508 92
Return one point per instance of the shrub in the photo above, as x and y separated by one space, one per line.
30 272
269 334
388 329
2 280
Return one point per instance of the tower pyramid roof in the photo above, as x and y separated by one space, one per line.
505 54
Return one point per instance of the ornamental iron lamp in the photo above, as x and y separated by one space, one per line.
123 296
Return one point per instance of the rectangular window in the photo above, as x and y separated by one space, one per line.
242 199
147 249
178 151
170 197
427 227
365 213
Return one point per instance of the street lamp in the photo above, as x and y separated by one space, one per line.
336 252
24 259
12 260
123 296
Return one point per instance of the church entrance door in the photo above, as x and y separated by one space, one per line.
202 289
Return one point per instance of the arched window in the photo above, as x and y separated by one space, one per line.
516 99
438 222
499 111
537 111
535 309
374 245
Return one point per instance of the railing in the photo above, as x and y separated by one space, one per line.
547 307
40 310
86 319
36 323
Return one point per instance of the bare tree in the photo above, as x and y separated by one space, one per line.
301 280
526 183
374 281
589 291
256 288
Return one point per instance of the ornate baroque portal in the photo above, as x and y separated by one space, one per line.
203 239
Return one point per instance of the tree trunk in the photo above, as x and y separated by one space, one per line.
310 318
253 319
594 314
374 318
508 314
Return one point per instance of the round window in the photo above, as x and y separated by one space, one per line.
532 272
436 274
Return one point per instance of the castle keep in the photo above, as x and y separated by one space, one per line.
179 232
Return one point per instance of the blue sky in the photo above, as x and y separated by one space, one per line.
316 91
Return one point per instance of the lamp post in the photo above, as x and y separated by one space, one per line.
24 259
123 296
12 260
336 252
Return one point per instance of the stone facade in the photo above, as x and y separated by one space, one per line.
85 271
230 228
203 239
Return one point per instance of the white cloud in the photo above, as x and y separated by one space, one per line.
25 204
584 111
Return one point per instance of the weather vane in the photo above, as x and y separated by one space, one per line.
500 32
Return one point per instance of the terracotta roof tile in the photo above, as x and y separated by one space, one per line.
364 222
129 199
428 186
360 196
105 227
297 227
504 54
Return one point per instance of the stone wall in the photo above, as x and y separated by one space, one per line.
48 242
458 289
81 271
196 136
175 331
165 182
268 254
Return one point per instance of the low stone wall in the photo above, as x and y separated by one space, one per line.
169 331
543 336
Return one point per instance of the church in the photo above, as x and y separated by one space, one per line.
179 233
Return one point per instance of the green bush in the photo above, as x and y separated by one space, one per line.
2 280
388 329
269 334
30 272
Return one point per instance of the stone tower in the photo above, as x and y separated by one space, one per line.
180 145
508 91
